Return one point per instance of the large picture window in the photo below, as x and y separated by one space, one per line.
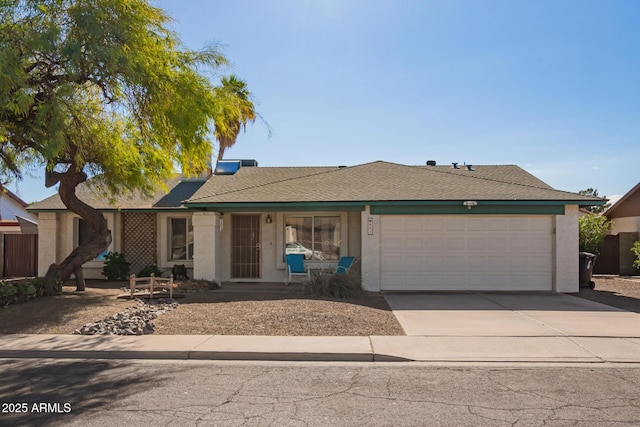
315 237
180 239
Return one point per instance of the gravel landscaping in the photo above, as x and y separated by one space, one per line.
206 312
218 312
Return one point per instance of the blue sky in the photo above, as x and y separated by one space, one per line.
552 86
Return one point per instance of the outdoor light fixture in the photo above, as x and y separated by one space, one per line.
268 220
470 203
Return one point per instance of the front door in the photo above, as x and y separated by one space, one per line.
245 246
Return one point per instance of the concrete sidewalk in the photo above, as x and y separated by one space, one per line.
460 327
375 348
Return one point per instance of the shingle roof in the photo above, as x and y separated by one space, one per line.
179 189
378 181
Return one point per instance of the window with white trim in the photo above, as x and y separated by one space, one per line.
180 246
316 237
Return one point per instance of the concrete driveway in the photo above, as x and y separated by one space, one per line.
510 315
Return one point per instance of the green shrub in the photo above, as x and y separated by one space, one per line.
591 231
149 270
24 291
7 293
17 291
636 250
341 286
115 267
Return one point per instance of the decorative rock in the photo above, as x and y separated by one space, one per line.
132 321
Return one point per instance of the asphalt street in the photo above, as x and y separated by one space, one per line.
106 392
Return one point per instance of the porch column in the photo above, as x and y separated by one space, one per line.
206 246
47 241
370 226
566 251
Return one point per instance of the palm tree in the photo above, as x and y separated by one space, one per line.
235 110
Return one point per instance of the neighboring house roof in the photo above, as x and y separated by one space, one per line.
379 181
627 206
7 192
179 190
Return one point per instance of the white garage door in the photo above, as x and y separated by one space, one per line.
484 253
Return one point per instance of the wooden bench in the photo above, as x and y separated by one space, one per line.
152 283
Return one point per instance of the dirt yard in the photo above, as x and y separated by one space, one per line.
225 313
614 291
208 313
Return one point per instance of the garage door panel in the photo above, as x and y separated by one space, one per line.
497 243
466 253
455 224
477 224
540 263
433 224
458 262
414 224
495 262
413 244
392 263
540 224
476 243
413 280
455 243
519 224
414 263
434 262
434 243
455 279
498 224
478 263
394 243
539 244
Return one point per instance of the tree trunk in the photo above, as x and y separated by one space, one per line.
98 241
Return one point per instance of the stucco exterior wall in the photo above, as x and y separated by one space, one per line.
625 225
566 251
206 246
370 265
47 241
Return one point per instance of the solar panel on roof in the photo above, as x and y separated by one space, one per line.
227 167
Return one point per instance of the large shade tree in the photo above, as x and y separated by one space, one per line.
101 92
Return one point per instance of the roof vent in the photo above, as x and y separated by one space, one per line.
249 163
227 167
469 167
431 162
454 165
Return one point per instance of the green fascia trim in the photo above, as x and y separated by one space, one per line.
458 209
480 202
280 207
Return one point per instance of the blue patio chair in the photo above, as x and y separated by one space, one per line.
296 267
344 264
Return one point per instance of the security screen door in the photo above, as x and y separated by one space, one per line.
245 246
